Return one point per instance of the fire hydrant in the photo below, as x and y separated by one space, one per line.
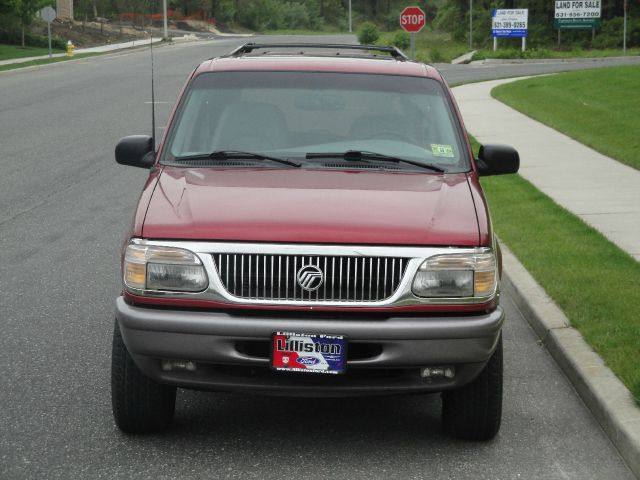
70 47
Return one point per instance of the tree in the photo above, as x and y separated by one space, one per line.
8 7
26 12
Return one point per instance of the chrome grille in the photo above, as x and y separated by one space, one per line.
274 277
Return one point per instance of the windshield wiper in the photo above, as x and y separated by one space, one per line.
236 155
351 155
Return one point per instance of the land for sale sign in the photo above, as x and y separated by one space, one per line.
577 13
509 22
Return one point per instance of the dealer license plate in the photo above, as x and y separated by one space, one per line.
304 352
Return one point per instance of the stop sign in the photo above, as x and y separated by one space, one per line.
412 19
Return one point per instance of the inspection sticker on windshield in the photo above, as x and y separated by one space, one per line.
303 352
442 150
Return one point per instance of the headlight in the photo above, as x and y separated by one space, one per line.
457 275
149 267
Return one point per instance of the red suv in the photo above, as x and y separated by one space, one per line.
312 225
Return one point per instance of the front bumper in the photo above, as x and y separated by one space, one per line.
231 350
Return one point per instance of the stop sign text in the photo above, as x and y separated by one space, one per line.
412 19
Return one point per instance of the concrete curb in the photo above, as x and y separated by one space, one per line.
608 399
503 61
462 59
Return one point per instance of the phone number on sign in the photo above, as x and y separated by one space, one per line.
577 15
507 25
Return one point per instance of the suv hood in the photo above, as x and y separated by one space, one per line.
312 206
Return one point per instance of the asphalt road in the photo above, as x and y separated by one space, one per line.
456 74
64 208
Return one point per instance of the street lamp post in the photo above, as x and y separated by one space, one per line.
350 24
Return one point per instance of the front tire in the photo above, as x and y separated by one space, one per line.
139 404
474 412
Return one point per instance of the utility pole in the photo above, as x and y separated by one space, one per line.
350 23
165 34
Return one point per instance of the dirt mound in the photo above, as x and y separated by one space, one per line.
91 34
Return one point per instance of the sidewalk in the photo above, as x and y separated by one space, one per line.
100 49
601 191
606 195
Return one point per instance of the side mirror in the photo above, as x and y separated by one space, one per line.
136 151
497 160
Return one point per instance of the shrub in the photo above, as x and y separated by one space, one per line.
368 33
10 33
401 40
436 56
536 53
449 18
266 15
226 11
610 35
295 16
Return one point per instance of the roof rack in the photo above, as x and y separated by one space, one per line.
251 47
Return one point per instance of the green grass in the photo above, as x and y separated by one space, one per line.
431 46
437 47
596 284
8 52
598 108
45 61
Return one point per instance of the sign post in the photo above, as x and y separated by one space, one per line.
624 28
48 14
350 24
510 23
412 20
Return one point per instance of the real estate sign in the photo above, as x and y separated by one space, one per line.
509 22
577 14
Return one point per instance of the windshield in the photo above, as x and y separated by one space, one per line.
292 114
